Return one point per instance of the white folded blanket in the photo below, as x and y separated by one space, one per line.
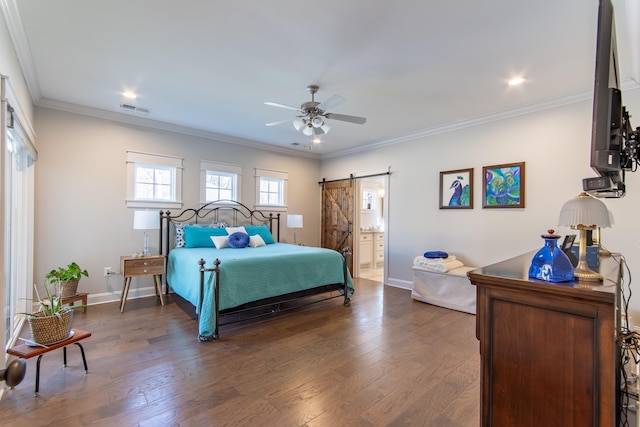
421 260
441 265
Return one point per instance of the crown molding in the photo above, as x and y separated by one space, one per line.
168 127
12 18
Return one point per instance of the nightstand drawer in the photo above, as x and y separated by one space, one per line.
142 266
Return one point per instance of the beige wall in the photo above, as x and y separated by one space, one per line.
555 146
81 189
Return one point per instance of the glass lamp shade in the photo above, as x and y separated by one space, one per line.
585 213
585 210
317 122
298 124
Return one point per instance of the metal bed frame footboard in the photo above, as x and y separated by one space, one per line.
275 302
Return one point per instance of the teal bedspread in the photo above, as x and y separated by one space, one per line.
251 274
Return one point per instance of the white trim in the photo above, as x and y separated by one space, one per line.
154 159
220 167
12 18
270 173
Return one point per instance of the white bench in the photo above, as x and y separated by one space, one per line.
451 290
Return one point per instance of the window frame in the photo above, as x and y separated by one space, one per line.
221 169
271 175
156 161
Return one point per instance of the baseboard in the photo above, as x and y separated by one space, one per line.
107 297
399 283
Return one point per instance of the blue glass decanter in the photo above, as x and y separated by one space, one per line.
550 263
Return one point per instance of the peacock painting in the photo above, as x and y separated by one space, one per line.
504 185
456 189
460 196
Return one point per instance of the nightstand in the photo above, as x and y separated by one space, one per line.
150 265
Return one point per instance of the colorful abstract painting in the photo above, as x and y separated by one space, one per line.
503 186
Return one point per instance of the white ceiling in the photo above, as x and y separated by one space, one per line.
411 67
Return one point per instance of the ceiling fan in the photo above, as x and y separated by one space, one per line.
313 114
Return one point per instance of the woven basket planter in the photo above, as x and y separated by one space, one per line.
69 288
50 329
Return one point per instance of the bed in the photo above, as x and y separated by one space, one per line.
205 269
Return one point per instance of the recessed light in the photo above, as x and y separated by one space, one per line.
517 81
129 94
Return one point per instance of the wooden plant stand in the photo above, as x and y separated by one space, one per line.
25 351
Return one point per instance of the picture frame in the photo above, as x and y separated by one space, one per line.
503 186
456 189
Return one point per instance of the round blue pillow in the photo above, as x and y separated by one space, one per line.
436 254
239 240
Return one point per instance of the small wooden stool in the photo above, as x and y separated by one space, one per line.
25 351
80 296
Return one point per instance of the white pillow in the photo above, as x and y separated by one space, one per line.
231 230
220 241
256 240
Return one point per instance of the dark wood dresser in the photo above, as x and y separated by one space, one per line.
548 350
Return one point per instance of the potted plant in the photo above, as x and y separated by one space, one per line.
52 322
67 279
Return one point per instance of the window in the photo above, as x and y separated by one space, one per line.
219 181
271 189
16 234
153 180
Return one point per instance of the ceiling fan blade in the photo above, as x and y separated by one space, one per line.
346 118
334 101
275 104
279 122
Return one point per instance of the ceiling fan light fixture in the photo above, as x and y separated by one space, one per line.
308 130
326 128
317 122
298 124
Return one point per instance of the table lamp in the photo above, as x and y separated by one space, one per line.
146 220
584 213
294 221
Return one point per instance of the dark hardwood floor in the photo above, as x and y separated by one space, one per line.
385 361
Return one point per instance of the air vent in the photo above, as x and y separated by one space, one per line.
135 110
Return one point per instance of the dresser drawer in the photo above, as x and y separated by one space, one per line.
379 256
380 246
380 237
142 266
366 237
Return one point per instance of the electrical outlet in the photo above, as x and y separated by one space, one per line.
107 271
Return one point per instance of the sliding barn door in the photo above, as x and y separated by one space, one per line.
337 215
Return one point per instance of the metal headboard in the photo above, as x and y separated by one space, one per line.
228 212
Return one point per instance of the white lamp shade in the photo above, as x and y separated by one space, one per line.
308 130
585 210
317 122
146 220
298 124
294 221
